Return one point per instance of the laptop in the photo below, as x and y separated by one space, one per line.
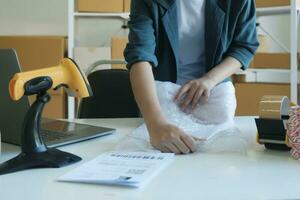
54 132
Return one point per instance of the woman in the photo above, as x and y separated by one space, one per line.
195 43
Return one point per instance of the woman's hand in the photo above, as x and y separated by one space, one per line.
169 138
192 92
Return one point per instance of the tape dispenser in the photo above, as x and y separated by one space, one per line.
272 122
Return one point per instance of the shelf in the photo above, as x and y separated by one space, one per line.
274 11
267 75
124 16
253 70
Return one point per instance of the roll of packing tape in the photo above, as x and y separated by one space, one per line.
293 132
274 107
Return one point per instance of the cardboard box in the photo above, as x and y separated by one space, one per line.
127 5
241 78
249 95
100 6
36 52
86 56
118 45
271 60
237 78
56 107
272 3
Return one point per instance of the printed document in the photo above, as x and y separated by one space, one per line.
120 168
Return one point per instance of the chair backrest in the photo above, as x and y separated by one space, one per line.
112 96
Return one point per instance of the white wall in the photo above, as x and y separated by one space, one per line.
49 17
32 17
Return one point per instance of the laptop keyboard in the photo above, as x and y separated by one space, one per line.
52 136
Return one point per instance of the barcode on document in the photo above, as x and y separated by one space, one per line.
137 157
135 171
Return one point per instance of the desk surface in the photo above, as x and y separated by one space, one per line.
261 174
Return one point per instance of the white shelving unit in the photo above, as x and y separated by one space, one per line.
124 16
268 75
273 11
294 11
72 18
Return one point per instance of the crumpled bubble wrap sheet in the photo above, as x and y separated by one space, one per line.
212 120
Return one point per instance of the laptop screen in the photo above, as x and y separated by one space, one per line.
12 113
63 127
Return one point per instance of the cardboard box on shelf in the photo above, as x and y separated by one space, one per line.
36 52
272 3
271 60
237 78
249 95
114 6
240 78
86 56
118 45
127 5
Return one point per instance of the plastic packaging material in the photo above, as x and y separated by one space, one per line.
293 132
138 140
222 138
166 92
220 107
212 120
227 141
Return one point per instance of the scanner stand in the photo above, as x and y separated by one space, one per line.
35 153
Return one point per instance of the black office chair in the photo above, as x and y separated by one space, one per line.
112 96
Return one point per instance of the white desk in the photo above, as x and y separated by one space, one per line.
261 174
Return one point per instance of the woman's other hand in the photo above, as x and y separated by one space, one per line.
192 92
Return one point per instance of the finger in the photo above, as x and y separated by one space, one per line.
164 149
182 91
196 98
181 146
206 95
189 142
188 99
199 138
172 148
199 141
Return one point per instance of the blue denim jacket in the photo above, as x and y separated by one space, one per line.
230 30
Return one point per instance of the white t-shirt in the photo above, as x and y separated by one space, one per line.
191 25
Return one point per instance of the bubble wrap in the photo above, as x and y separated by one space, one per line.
212 120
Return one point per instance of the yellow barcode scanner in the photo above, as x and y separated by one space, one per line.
66 74
35 153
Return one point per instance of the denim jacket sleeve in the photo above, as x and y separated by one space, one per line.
142 44
244 43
